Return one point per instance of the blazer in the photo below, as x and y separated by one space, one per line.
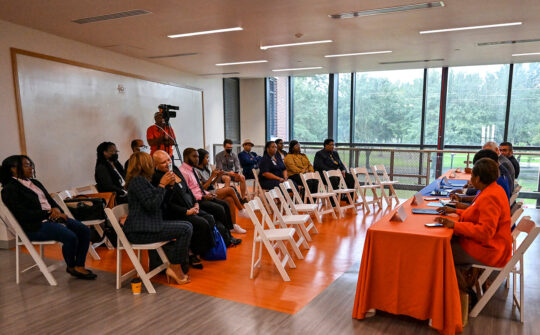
484 227
178 198
249 161
326 160
144 203
24 204
107 180
297 163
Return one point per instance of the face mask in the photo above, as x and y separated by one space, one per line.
114 157
228 151
145 149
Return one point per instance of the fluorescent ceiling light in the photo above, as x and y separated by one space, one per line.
526 54
264 47
298 69
471 28
360 54
387 10
247 62
206 32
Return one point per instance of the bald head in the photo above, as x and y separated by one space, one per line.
161 160
492 146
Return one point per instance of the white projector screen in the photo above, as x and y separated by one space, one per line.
67 110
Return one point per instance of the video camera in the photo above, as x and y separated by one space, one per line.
168 111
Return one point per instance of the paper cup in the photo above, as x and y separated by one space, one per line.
136 286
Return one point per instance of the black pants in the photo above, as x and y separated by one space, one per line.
202 239
180 231
313 184
220 211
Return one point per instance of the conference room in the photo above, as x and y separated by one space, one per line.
270 167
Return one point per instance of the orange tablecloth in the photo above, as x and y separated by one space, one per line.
408 269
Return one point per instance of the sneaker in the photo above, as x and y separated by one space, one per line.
243 214
239 230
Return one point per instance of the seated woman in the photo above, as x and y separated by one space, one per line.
40 217
145 224
272 171
209 178
482 233
109 173
297 163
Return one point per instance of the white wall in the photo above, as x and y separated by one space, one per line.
252 110
16 36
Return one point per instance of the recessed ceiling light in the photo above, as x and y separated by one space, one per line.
526 54
206 32
359 54
387 10
246 62
264 47
298 69
471 27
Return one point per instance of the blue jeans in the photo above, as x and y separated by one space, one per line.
74 236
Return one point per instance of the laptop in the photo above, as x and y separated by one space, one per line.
425 211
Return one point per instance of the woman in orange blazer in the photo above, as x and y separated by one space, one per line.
483 230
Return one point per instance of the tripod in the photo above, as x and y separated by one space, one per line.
168 125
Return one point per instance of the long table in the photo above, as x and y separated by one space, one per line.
408 269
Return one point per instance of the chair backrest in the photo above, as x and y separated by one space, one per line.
287 186
315 176
256 177
361 176
59 199
513 197
275 195
113 215
84 190
336 174
516 215
376 169
256 206
12 223
529 227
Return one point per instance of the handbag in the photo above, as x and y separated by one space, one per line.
219 251
85 209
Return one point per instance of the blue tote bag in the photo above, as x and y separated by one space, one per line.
219 251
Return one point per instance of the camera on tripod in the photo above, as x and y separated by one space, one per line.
168 111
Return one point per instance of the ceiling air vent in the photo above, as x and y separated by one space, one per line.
174 55
219 74
112 16
483 44
387 10
413 61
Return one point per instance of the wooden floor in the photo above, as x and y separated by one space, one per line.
319 302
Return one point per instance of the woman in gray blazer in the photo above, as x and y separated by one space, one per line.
145 224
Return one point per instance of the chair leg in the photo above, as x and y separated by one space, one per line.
140 270
285 252
93 252
118 266
295 248
41 265
17 260
253 249
277 261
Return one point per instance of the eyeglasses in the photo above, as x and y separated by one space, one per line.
143 146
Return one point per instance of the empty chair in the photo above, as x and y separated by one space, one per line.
514 266
384 180
266 234
259 192
296 204
322 197
341 190
285 218
113 215
22 240
363 183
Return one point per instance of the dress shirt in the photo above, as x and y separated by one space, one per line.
192 181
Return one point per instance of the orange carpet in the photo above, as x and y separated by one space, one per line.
338 245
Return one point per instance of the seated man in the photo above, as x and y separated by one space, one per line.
503 161
507 150
248 159
179 204
327 159
207 201
137 145
229 163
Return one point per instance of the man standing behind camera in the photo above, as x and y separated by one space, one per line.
160 136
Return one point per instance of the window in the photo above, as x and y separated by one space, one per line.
344 108
388 107
433 106
277 108
476 104
524 123
231 108
310 108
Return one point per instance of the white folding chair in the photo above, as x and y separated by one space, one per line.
285 218
89 189
321 198
59 199
123 244
296 204
341 190
384 180
22 240
271 238
514 266
363 183
259 192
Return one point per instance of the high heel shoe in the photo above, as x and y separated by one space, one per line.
170 273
